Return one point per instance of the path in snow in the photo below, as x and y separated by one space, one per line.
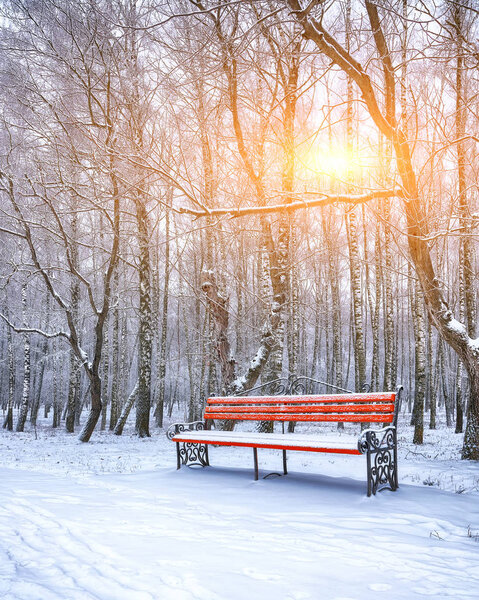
216 534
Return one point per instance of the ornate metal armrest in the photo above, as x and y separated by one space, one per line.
189 453
175 428
377 439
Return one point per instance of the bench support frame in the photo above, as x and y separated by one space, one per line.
255 459
189 453
256 470
380 447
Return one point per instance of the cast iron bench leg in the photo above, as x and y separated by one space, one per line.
191 454
285 467
381 454
255 456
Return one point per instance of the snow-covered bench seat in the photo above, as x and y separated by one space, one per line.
378 444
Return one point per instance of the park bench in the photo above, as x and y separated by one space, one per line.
378 444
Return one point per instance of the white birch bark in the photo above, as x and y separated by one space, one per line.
419 325
164 322
22 417
8 422
116 355
126 410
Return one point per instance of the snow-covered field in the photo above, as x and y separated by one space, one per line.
113 520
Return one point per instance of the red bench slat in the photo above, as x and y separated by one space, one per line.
328 408
248 400
343 408
346 418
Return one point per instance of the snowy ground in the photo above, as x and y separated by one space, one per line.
113 520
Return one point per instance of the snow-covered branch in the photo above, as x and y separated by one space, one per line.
34 330
323 200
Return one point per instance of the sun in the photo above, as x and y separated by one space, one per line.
338 163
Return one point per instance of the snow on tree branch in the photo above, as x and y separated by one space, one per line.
34 330
324 200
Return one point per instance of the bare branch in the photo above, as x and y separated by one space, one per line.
314 31
34 330
325 200
10 232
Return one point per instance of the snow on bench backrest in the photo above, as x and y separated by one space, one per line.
362 408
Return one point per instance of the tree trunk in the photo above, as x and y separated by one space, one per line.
73 393
145 332
75 367
466 248
22 417
8 423
116 356
419 362
375 361
43 349
334 285
434 392
389 338
120 424
95 408
105 376
448 402
459 395
56 396
218 307
357 313
164 325
93 369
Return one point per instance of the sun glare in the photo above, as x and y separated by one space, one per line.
337 163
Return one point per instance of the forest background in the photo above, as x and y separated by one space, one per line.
202 197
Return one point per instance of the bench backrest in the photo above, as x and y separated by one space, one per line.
337 408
